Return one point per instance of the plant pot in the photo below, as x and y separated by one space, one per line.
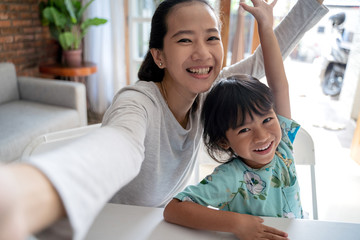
72 58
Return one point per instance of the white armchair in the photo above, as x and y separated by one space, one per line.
30 107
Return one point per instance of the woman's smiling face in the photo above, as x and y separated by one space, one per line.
193 51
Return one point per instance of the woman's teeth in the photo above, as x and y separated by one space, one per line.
199 70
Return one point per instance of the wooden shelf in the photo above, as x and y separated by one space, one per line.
57 69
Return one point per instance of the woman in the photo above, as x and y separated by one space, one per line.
150 135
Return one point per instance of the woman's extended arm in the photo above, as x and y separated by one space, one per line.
83 176
85 173
196 216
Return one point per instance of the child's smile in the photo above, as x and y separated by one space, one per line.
264 150
256 140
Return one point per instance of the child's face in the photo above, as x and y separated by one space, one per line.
256 140
193 49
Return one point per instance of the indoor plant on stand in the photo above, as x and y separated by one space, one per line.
67 26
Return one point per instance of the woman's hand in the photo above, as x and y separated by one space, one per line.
262 11
252 227
28 202
12 224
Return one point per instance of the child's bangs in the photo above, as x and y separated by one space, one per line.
246 98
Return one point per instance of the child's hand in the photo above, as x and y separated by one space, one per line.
262 11
251 227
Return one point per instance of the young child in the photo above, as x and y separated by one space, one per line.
250 122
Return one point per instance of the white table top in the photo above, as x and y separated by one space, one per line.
118 222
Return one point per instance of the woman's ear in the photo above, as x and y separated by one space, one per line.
157 56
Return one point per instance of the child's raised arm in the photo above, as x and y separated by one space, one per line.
273 62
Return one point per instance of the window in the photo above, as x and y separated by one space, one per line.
140 13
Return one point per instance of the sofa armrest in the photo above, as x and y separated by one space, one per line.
55 92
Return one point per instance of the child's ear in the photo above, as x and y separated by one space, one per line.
158 57
223 143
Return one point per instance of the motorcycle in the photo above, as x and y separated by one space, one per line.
334 66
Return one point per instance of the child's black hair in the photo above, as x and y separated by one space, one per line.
226 106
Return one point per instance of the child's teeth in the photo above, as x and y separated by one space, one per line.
262 149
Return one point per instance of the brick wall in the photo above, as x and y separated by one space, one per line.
23 40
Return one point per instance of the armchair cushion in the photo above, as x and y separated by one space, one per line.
22 121
54 92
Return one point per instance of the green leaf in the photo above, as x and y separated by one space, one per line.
48 15
66 40
54 16
285 177
77 42
92 22
243 193
82 10
58 4
275 182
71 10
262 197
77 6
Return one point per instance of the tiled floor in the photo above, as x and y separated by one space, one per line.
337 175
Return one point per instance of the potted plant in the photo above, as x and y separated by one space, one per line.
67 26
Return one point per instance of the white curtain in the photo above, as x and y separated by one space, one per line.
105 46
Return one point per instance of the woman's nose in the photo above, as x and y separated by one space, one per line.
201 51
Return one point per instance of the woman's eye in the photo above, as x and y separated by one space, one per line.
184 40
213 38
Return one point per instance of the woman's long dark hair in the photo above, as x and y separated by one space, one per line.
149 71
227 105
